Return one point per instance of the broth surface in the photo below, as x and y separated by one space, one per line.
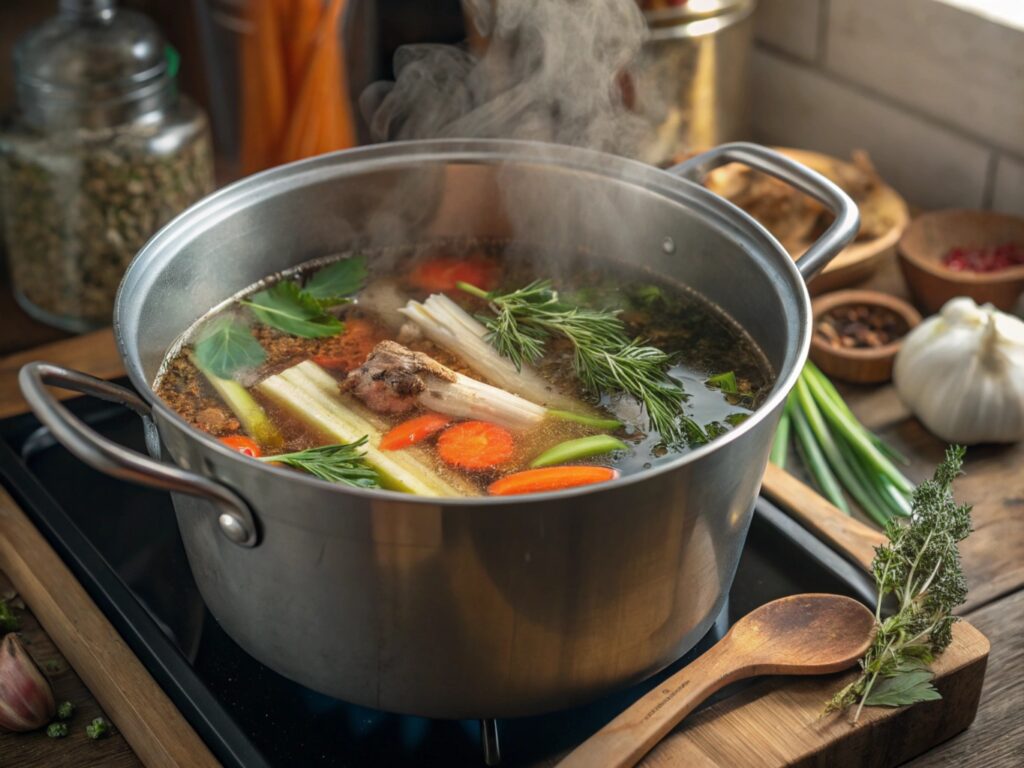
703 341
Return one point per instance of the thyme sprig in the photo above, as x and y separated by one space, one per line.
920 567
604 357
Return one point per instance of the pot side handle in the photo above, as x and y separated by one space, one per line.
812 183
234 516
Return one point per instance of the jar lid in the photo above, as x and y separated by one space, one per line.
91 53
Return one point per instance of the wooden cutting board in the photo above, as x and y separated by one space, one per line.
59 610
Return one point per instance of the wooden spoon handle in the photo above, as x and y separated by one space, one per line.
851 537
632 734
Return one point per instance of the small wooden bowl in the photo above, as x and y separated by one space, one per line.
931 236
859 260
859 365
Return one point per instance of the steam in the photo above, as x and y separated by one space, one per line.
550 72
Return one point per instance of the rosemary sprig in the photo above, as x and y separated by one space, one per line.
920 566
604 357
341 463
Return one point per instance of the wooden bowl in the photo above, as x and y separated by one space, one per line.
859 365
931 236
857 261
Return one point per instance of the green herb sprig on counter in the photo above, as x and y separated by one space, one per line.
226 345
341 463
302 310
604 358
920 568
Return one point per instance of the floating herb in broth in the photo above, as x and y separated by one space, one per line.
601 375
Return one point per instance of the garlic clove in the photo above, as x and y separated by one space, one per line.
26 699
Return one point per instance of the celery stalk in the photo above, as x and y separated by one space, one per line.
311 395
251 415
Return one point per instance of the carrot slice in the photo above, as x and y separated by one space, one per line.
475 445
443 272
413 431
244 445
550 479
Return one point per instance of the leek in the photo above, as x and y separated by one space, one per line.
448 325
471 399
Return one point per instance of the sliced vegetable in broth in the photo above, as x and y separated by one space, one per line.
451 370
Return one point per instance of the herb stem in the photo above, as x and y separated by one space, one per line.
604 358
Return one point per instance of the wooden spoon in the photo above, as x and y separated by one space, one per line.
798 635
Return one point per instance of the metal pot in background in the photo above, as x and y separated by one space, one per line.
691 80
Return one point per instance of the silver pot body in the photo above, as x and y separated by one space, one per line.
462 607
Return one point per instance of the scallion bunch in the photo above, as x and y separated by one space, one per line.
841 455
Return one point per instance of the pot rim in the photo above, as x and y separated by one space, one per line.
276 180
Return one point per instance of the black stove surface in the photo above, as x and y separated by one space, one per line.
122 542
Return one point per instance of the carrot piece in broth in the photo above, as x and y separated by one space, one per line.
476 445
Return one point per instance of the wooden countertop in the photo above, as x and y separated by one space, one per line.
993 556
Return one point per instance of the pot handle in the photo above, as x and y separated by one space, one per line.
234 517
812 183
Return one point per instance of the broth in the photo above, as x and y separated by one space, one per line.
359 367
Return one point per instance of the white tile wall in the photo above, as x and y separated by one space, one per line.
930 165
1008 193
789 25
956 65
933 89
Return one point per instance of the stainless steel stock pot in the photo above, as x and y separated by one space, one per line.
468 607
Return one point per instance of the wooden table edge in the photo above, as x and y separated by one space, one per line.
94 353
138 707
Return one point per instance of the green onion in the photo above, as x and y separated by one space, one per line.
580 448
588 421
815 461
842 456
855 433
780 445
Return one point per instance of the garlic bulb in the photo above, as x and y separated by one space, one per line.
962 374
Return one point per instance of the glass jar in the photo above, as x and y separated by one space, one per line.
102 152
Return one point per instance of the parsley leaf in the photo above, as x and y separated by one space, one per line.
903 690
227 345
288 308
333 284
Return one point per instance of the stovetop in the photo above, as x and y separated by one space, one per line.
122 543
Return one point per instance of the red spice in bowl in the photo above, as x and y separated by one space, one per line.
991 258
